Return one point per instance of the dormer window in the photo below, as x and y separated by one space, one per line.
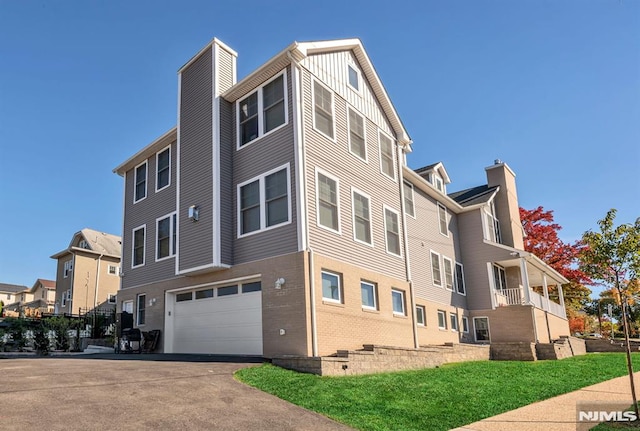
83 244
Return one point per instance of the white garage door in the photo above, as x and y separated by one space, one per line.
223 320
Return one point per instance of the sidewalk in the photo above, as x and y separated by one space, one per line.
559 413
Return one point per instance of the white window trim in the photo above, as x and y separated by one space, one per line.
375 296
444 274
393 154
333 109
334 301
384 218
68 268
413 200
443 313
117 270
133 246
464 284
259 90
433 280
172 252
453 317
502 270
168 147
404 307
465 323
446 220
424 315
138 309
360 83
337 180
364 131
488 329
353 217
263 207
146 181
112 298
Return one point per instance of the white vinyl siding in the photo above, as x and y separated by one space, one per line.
357 141
361 217
323 110
392 231
264 202
387 155
262 111
328 202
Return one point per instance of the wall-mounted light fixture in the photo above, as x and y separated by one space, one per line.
279 283
194 212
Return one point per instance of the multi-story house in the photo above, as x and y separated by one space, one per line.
88 271
39 298
279 217
11 294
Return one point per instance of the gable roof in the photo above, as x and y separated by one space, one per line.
12 288
435 167
98 242
47 284
158 144
299 50
474 195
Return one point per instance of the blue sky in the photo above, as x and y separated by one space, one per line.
550 87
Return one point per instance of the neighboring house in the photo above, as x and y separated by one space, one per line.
42 296
11 294
279 217
88 272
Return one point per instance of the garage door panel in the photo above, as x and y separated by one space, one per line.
220 325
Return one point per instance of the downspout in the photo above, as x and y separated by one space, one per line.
405 238
301 170
73 279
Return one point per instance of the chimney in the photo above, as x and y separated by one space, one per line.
506 203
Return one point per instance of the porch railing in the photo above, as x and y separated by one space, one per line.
515 296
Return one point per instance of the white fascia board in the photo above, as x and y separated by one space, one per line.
147 151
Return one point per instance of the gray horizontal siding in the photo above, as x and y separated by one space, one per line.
263 155
155 205
424 236
196 163
335 158
227 187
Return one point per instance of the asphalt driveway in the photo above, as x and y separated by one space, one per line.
141 392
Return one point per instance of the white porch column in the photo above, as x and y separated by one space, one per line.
525 281
561 295
546 291
492 287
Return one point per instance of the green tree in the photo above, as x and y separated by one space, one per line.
611 257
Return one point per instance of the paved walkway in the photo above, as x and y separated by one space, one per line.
559 413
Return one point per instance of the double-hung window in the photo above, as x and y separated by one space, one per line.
397 300
68 267
262 111
328 202
454 321
264 202
387 156
357 144
420 315
448 272
392 231
163 169
331 287
140 191
137 256
442 319
499 278
361 217
166 236
409 206
141 309
460 288
323 110
442 219
368 294
436 273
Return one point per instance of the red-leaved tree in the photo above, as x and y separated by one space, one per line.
543 241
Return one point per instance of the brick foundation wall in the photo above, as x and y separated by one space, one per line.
378 359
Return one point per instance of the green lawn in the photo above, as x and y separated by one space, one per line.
438 398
